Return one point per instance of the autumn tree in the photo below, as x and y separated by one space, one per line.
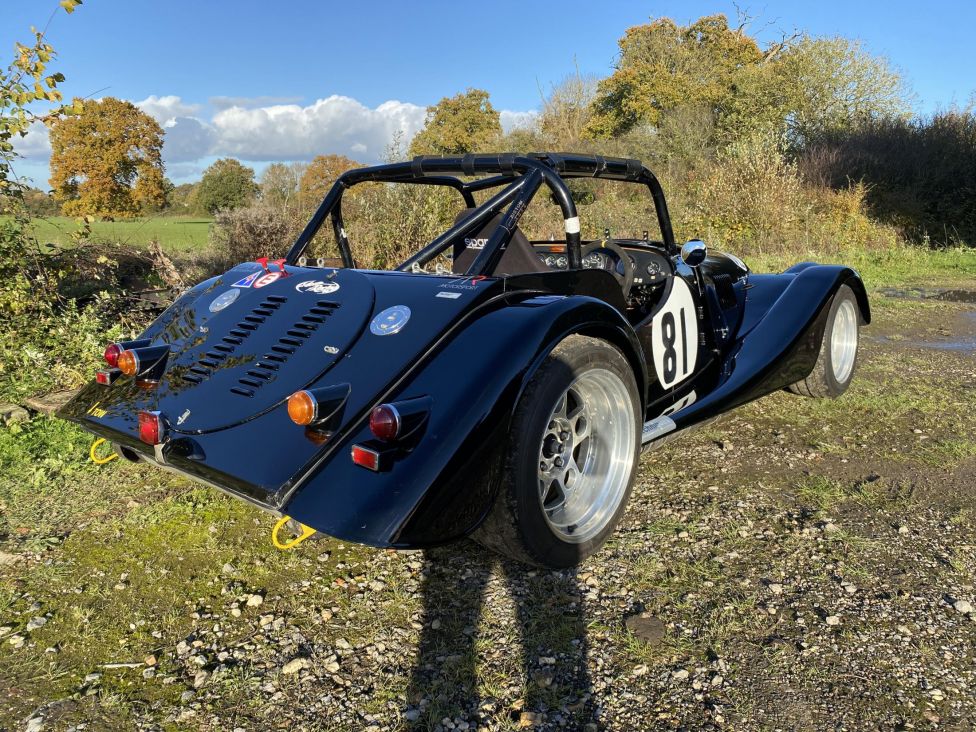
279 185
319 176
227 184
835 84
711 79
663 66
106 160
566 112
23 84
180 198
456 125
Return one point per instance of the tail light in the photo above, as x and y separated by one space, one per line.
384 422
147 361
399 420
128 362
315 407
302 407
111 354
152 428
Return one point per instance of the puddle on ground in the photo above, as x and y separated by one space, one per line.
964 344
930 293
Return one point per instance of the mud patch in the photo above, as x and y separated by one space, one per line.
930 293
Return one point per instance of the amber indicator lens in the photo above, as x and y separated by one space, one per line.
128 363
301 408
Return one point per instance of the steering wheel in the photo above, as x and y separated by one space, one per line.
625 280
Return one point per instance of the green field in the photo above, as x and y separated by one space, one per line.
175 233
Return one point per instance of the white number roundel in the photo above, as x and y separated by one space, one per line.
674 330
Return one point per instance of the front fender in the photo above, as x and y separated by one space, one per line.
780 340
443 487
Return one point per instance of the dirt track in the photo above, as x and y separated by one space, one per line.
800 565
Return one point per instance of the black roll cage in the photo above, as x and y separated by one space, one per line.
521 176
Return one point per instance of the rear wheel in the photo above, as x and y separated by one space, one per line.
837 361
574 448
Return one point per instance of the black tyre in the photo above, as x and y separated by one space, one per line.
573 455
837 361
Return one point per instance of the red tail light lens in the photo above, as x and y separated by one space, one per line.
384 422
151 428
112 351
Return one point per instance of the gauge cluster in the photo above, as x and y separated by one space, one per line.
650 267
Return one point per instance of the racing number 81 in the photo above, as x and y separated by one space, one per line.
669 335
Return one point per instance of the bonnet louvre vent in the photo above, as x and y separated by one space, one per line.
210 360
287 345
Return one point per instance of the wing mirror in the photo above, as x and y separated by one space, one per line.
693 253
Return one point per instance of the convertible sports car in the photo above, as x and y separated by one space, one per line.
507 395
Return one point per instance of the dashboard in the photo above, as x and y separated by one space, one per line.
650 267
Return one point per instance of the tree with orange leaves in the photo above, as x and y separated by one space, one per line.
319 176
106 160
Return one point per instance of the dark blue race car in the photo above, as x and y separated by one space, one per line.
506 395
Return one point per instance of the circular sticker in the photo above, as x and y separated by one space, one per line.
390 321
267 279
222 301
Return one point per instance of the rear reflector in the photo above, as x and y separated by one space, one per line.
107 376
151 428
366 457
111 354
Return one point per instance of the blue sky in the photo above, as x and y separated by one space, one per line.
265 81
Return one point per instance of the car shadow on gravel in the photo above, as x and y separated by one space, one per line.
480 611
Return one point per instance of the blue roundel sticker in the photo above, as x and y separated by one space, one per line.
390 321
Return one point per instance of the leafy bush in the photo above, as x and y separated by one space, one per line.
246 233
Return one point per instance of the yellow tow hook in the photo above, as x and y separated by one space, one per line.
100 460
307 531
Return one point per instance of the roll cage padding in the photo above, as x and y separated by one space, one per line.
521 176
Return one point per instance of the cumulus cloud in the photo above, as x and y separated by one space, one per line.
35 145
264 129
166 109
517 120
334 125
250 102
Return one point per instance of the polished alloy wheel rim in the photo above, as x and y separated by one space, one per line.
586 456
843 341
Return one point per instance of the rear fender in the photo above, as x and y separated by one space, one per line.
443 487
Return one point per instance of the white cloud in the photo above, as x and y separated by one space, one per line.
516 120
35 145
334 125
263 129
166 109
250 102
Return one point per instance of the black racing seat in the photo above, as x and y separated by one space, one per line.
518 258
